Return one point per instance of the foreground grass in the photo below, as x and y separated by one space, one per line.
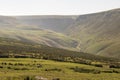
19 68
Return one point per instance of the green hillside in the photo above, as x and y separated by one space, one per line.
15 47
99 33
14 29
59 47
40 36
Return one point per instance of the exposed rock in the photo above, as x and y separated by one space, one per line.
40 78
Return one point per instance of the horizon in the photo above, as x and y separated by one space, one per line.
55 7
60 14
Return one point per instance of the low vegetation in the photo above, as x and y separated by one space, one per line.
27 69
14 48
26 61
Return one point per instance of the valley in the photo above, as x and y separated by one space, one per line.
60 47
96 33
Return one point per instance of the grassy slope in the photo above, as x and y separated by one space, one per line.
39 36
11 27
65 74
22 47
99 33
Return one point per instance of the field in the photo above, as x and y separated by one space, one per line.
28 68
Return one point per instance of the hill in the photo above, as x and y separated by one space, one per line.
99 33
16 48
56 23
40 36
7 21
12 28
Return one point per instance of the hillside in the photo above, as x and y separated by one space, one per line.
16 47
56 23
22 60
14 29
7 21
99 33
40 36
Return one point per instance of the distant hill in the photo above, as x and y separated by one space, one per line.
6 21
14 29
99 33
56 23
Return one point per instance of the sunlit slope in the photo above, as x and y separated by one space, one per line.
40 36
99 33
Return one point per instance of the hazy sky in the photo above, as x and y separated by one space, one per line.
55 7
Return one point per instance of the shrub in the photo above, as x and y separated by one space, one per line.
107 71
9 68
24 69
16 68
1 66
82 70
39 65
98 65
27 78
114 66
4 63
10 64
21 64
54 69
96 72
116 71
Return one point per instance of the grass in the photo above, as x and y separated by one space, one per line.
49 69
46 37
